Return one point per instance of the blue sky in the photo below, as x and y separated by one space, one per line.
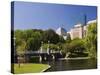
29 15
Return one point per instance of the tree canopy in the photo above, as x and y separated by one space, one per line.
76 45
33 38
91 40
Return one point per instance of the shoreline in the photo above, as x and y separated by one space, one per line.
78 58
45 69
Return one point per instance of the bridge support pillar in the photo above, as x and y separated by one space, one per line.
40 59
45 58
53 57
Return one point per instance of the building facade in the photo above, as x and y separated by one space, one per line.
79 30
62 32
76 31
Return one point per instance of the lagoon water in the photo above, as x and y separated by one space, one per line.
77 64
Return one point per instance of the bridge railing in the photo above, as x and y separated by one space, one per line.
38 51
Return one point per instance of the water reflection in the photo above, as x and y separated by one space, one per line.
63 65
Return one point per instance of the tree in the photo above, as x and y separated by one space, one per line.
53 47
50 35
32 38
33 44
21 48
76 46
91 40
61 39
68 40
20 43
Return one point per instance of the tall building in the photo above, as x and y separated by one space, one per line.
62 32
76 31
79 30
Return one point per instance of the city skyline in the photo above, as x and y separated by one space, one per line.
50 16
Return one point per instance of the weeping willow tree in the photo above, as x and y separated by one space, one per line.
21 48
91 40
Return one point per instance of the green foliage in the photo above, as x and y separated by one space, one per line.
53 47
21 48
20 43
61 39
33 38
91 40
33 43
68 40
50 35
76 45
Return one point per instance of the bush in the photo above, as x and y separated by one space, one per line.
73 55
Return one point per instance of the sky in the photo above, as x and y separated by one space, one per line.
30 15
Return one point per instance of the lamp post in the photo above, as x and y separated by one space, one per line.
16 53
41 47
14 49
40 57
14 43
48 50
59 49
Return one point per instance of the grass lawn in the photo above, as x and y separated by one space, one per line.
30 68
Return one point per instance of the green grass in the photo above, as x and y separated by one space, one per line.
30 68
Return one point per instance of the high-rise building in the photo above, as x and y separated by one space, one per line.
79 30
62 32
76 31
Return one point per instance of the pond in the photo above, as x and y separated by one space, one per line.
77 64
